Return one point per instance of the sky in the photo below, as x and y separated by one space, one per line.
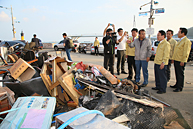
50 18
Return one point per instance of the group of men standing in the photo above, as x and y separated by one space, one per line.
137 49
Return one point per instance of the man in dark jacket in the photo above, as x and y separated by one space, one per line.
36 40
67 46
109 50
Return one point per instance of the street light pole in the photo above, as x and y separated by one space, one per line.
151 15
12 22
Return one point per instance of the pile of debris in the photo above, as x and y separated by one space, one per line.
92 87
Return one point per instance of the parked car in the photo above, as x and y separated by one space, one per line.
76 45
59 45
11 43
154 48
101 49
41 44
6 44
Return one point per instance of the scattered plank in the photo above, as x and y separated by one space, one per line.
67 84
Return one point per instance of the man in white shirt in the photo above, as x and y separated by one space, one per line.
121 51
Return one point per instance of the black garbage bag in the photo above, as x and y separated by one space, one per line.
109 105
90 104
28 88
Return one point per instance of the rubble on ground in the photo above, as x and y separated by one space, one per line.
75 85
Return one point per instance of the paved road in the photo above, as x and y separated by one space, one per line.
182 101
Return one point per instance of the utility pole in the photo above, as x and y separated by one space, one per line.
12 22
151 19
13 28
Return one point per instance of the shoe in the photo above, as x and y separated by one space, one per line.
173 86
177 90
160 92
118 73
129 78
123 72
154 88
136 82
143 85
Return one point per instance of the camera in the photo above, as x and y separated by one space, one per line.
112 36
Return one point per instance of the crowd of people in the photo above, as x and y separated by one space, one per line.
137 50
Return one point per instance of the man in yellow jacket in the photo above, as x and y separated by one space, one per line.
172 42
161 62
180 57
96 46
130 53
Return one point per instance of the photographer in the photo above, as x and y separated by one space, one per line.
109 24
109 42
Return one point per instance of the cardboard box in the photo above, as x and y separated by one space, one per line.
22 71
6 98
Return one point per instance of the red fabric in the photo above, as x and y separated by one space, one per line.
81 66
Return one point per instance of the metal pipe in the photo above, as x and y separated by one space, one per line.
156 99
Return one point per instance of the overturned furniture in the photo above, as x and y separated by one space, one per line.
59 80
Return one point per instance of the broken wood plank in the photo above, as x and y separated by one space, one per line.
109 88
68 72
11 58
60 60
54 85
46 84
60 94
121 119
66 96
78 92
67 84
72 104
59 101
141 101
64 66
56 73
61 68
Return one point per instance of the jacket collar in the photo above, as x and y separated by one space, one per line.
170 40
140 40
182 38
163 41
